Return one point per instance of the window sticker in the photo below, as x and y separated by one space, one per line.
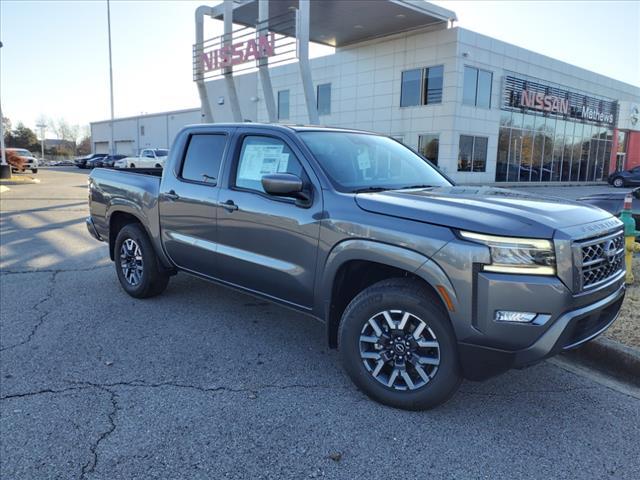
259 160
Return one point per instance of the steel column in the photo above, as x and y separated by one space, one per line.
228 71
302 33
205 106
265 77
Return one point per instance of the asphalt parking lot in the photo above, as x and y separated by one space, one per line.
204 382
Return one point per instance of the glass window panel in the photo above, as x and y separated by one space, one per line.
505 119
324 99
528 121
606 168
484 89
203 158
584 160
469 86
464 153
536 161
410 89
502 158
283 105
479 154
433 84
526 153
515 156
428 146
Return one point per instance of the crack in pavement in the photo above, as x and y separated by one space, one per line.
85 385
524 392
92 463
54 271
43 315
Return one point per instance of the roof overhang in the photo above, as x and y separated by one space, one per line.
339 23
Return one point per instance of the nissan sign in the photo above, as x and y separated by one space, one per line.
524 94
263 46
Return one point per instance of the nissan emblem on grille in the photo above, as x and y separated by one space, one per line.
601 259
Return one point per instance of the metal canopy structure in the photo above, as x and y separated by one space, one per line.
337 23
340 23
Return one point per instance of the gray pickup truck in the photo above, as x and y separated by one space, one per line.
420 283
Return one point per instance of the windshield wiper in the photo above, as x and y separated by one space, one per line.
369 189
415 186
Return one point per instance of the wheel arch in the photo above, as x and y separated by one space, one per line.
354 265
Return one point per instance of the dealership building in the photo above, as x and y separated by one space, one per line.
481 109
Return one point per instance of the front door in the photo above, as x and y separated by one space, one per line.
268 244
187 203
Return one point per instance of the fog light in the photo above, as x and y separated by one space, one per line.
518 317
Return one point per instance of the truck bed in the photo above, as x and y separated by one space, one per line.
131 190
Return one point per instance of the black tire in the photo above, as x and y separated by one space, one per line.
618 182
153 280
407 296
34 170
133 165
158 165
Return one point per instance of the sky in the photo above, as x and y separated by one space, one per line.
55 56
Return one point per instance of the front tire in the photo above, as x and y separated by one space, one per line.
34 170
618 182
397 345
137 265
133 165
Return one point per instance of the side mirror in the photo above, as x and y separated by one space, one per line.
286 185
282 184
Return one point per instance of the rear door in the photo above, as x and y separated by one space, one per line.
268 244
188 197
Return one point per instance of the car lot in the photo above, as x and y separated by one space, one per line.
204 382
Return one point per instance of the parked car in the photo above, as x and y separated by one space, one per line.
82 161
613 202
420 283
148 158
625 178
30 161
109 160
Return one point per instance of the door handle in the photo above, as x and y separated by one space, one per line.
171 195
229 206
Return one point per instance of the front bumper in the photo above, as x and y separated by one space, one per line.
569 330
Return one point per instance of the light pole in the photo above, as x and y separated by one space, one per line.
42 127
112 149
5 169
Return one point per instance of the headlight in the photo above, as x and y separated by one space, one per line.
517 255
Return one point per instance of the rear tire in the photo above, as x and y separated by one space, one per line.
133 165
34 170
423 346
137 264
618 182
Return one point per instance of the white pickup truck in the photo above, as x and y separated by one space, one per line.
148 158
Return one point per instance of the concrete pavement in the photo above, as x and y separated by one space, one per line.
204 382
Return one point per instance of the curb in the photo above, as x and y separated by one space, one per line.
19 181
611 356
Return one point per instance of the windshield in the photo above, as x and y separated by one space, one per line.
361 161
23 153
161 153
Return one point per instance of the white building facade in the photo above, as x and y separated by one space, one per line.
483 110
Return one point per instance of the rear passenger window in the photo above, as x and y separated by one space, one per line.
203 158
263 156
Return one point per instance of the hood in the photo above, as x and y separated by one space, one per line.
496 211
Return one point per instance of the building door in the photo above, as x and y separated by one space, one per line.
620 161
101 147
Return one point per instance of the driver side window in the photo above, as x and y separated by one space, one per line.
263 156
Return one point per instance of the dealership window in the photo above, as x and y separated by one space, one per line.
283 105
472 154
428 146
203 158
477 87
324 99
262 156
142 130
551 149
421 86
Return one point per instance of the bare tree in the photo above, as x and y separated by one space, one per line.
65 131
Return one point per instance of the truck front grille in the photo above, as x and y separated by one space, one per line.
602 259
